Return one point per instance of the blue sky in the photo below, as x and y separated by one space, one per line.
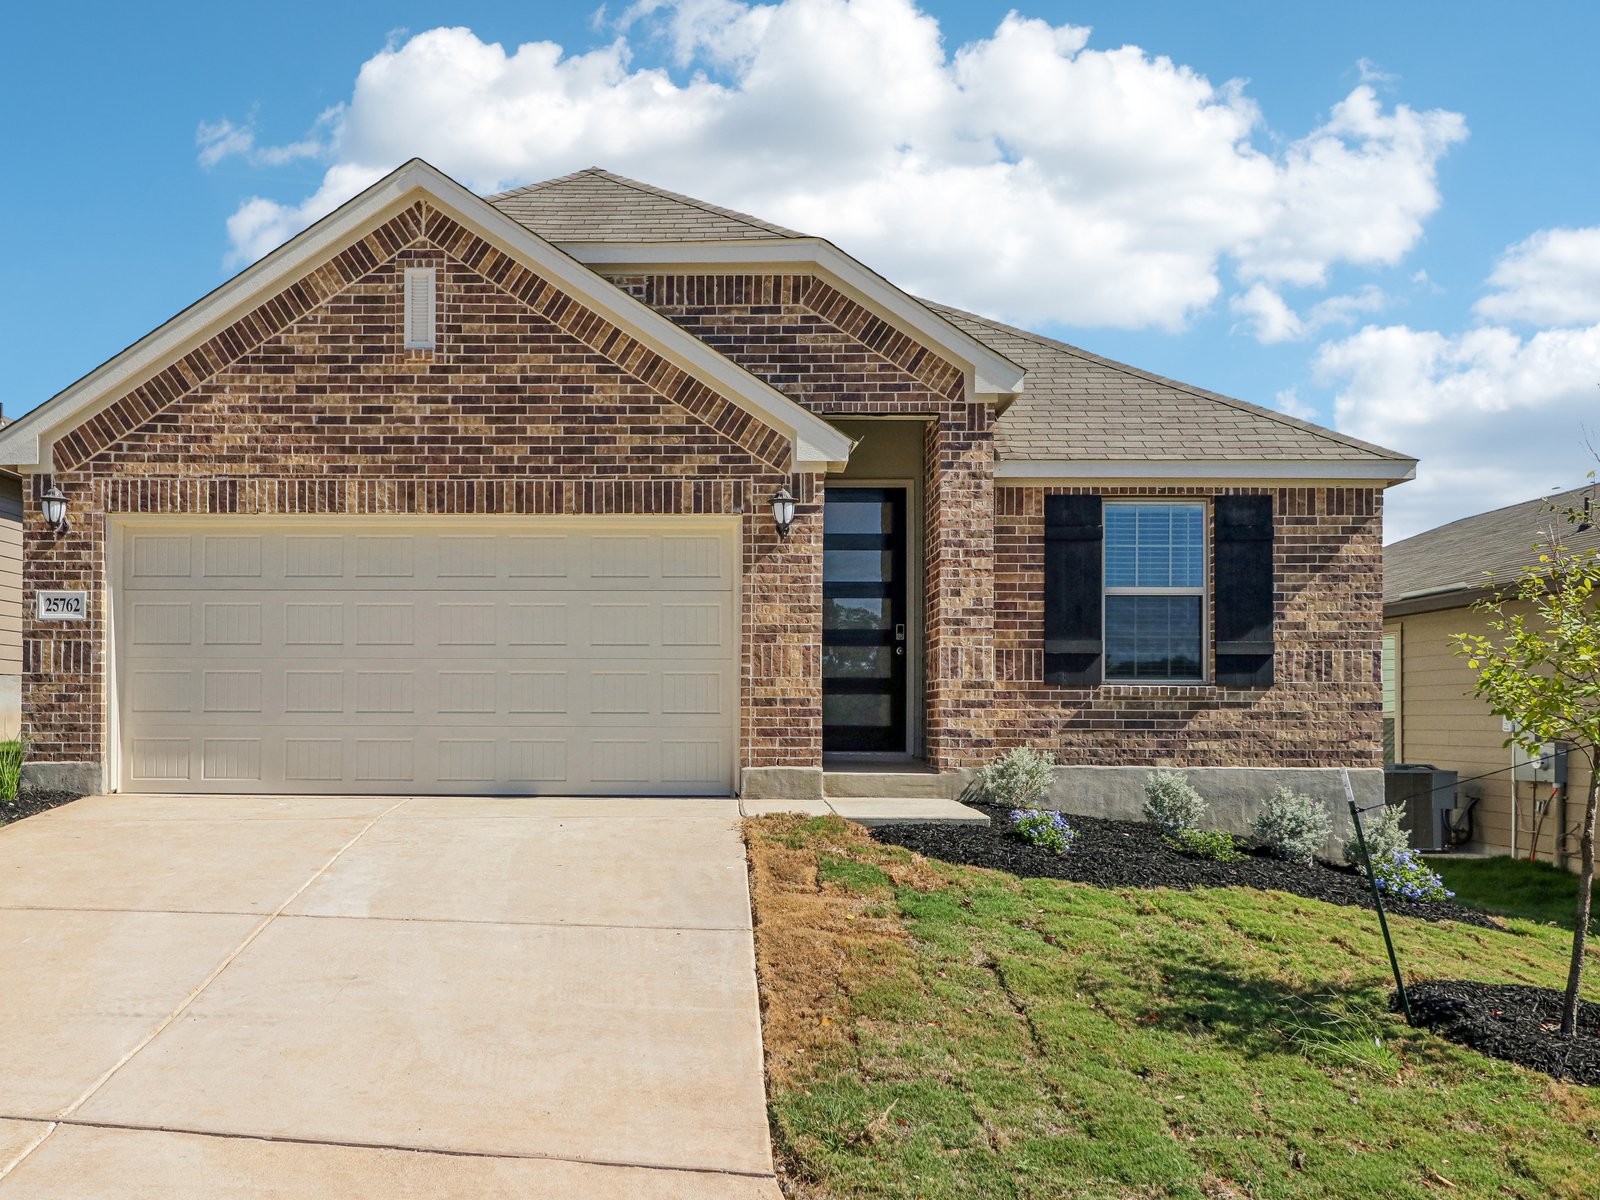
1149 213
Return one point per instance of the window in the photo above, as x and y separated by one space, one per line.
419 331
1155 587
1136 591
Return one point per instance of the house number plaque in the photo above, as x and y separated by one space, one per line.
63 606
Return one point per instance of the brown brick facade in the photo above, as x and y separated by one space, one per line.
531 404
534 404
810 341
1325 709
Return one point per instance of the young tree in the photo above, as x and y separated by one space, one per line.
1542 671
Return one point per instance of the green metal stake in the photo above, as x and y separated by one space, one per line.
1377 896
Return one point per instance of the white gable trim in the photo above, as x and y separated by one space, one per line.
1056 472
26 444
989 373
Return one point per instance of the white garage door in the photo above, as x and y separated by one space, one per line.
475 656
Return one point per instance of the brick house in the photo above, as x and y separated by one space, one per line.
464 495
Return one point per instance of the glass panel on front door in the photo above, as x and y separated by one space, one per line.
864 643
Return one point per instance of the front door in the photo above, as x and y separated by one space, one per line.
864 620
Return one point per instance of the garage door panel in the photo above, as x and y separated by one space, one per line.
559 760
305 624
408 654
434 561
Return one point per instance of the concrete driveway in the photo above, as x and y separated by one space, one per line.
285 997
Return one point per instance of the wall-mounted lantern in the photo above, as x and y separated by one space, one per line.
783 511
54 506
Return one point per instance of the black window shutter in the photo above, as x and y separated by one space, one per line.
1243 604
1073 647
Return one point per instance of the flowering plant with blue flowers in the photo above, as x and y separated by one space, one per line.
1400 872
1043 827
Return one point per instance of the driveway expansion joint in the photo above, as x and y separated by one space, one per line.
517 1155
62 1116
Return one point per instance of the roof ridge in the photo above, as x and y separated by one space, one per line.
651 190
1244 405
540 186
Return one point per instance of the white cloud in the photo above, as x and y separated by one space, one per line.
1272 319
1026 175
1288 401
1371 74
1553 278
1494 418
225 139
218 141
260 226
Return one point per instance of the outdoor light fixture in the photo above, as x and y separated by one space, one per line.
783 511
54 506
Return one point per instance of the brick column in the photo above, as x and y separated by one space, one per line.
959 550
783 632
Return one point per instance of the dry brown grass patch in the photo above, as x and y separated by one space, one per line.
817 943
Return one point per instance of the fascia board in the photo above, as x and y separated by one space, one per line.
992 372
1464 598
813 438
1385 471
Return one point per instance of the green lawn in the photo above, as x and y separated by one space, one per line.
1512 887
10 768
1042 1039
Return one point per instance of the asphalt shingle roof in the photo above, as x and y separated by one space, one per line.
1078 405
1075 405
1502 541
596 206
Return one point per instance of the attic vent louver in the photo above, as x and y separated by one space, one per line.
419 308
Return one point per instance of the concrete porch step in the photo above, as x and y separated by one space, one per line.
874 810
908 783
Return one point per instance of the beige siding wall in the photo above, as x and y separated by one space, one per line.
1441 722
10 576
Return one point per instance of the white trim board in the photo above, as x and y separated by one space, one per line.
989 373
26 444
1051 472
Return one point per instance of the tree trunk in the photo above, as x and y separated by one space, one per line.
1580 932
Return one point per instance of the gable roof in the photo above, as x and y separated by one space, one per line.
1079 407
1077 414
595 205
1444 567
28 442
604 219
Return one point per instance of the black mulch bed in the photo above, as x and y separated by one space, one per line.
1119 854
1511 1021
30 802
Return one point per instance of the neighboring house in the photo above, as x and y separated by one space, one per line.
461 495
1430 713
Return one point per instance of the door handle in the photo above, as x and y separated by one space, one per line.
899 633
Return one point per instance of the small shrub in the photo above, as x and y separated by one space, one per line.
1043 827
10 768
1384 835
1210 843
1020 779
1171 804
1293 827
1402 873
